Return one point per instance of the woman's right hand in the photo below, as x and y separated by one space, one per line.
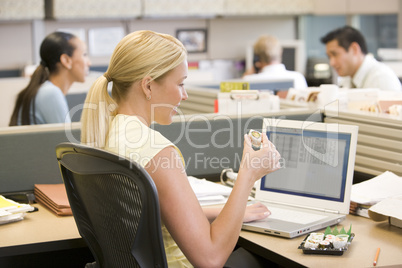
261 162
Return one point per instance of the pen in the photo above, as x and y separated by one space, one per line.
376 257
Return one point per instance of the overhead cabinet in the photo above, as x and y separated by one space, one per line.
78 9
354 7
22 9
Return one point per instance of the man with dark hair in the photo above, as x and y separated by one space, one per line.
348 55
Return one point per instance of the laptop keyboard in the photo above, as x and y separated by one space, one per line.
293 215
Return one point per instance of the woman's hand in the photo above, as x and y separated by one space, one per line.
256 211
261 162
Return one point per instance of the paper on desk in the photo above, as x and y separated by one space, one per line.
390 207
372 191
202 187
212 200
11 211
209 193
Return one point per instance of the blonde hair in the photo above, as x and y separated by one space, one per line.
268 49
137 55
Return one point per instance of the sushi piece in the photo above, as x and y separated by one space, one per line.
255 137
330 237
324 244
340 241
343 236
311 243
317 236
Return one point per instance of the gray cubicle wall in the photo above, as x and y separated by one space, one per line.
28 155
75 103
209 143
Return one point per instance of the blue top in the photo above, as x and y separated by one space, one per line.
50 106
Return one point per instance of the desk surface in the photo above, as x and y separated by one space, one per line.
369 235
40 231
44 231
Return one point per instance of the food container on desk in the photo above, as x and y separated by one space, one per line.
325 249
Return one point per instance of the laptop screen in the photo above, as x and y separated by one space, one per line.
314 160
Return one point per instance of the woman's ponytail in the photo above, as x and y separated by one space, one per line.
27 97
99 110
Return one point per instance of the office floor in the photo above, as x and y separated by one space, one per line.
61 259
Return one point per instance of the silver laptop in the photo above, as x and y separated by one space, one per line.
311 190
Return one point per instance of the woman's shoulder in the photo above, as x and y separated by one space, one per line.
50 94
132 126
128 136
49 89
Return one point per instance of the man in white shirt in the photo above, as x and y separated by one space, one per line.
267 63
348 55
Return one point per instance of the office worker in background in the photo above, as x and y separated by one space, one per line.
268 63
147 71
64 61
348 55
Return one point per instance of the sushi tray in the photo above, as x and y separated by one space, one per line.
328 243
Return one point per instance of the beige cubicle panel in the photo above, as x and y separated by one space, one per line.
200 100
202 95
379 143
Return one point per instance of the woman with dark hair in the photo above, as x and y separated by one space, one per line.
64 61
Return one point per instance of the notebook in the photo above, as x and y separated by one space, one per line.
312 188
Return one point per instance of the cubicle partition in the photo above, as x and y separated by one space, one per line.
213 142
202 96
208 142
27 155
379 143
75 103
273 85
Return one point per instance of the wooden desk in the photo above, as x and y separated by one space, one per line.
43 231
369 235
39 232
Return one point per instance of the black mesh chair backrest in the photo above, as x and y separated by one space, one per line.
115 206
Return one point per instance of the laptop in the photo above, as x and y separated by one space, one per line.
312 188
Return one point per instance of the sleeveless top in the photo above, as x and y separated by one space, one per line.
129 137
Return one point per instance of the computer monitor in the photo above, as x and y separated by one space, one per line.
317 161
293 56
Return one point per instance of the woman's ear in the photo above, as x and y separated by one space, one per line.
66 61
146 86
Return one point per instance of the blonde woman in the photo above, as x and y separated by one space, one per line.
147 70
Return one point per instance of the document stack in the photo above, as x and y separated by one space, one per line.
11 211
54 197
209 193
368 193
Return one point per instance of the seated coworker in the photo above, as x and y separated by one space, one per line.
147 71
63 61
268 63
348 55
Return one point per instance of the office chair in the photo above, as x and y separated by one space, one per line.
115 206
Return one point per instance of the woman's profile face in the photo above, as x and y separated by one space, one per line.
168 93
81 62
